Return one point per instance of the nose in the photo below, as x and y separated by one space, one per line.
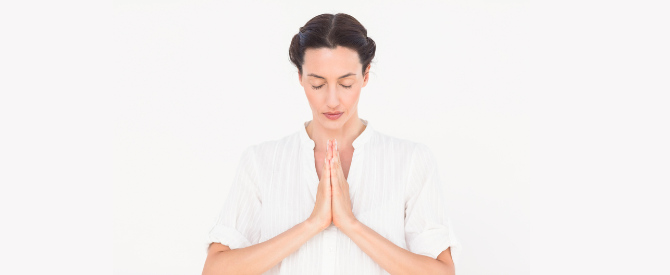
332 99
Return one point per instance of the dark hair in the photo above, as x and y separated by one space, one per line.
329 31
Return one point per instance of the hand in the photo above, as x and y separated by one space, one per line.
342 213
322 215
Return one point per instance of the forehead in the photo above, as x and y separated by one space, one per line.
331 63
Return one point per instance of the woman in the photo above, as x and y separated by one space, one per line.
335 197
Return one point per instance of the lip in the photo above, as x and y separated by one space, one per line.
333 116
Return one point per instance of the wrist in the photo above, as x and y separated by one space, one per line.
313 225
350 226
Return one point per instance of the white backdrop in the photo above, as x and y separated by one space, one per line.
121 126
201 81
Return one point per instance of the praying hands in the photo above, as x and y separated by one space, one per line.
341 202
333 204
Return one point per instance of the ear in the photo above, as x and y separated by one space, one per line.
366 76
300 78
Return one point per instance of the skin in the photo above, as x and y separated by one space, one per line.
333 153
326 91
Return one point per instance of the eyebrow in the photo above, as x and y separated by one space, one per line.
325 78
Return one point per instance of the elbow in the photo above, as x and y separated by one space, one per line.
215 264
207 270
437 267
445 268
211 271
434 266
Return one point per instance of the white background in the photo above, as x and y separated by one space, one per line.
200 82
122 125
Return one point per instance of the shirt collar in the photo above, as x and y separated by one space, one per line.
359 142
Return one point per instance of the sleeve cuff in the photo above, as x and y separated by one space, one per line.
228 236
432 242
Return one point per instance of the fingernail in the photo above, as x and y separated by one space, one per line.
336 145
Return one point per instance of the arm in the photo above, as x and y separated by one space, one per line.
259 258
392 258
395 259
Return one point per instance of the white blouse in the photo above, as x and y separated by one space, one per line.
394 187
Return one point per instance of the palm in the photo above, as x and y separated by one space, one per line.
341 202
322 214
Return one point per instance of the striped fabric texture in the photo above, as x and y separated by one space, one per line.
394 186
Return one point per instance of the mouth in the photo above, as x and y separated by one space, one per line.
333 116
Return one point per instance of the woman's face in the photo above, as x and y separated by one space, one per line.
332 81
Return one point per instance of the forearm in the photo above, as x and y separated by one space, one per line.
259 258
392 258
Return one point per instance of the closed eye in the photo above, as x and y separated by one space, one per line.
319 87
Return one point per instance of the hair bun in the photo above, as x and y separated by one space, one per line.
329 31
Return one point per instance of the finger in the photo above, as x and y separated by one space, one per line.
338 166
329 153
329 157
334 175
325 175
336 160
324 168
336 154
330 150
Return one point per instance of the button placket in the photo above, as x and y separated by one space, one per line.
329 253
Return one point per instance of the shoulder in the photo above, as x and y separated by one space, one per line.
400 146
267 150
416 156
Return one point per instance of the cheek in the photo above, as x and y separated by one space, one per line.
311 96
351 98
314 101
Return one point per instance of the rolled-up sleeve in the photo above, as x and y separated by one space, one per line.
237 224
428 229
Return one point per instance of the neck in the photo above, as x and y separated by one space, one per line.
344 135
